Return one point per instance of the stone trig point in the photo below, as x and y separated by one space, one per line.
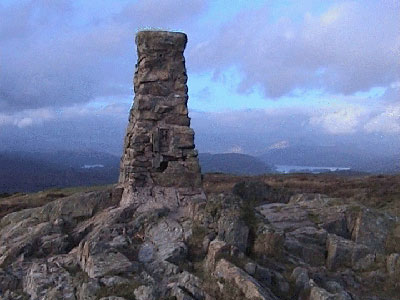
159 165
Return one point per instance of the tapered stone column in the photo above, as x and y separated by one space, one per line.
159 157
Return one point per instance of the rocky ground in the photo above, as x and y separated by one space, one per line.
261 238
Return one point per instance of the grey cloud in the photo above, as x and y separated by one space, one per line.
155 13
352 47
14 21
24 18
74 128
26 118
65 64
80 127
253 131
392 94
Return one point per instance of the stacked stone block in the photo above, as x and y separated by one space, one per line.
159 148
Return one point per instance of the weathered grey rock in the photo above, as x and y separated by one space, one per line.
269 242
337 289
393 264
369 261
21 239
41 230
98 262
264 275
206 242
372 228
88 290
334 221
113 280
48 281
285 217
318 293
167 236
250 268
7 281
279 282
10 295
65 210
301 278
244 282
144 292
233 230
146 252
216 250
162 268
106 237
308 243
188 286
344 253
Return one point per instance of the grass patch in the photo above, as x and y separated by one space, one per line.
4 195
315 218
195 243
18 201
381 192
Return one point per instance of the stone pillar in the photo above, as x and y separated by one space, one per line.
159 152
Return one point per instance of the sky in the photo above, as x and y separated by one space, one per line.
262 74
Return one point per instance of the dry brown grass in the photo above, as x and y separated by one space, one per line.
20 201
381 191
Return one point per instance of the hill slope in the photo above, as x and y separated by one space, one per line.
233 163
331 157
26 172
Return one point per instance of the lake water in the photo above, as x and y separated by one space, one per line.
307 169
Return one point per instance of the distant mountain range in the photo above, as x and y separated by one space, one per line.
29 171
318 156
233 163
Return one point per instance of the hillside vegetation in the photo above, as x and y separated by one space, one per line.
377 191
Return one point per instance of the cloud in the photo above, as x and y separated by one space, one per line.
26 118
341 121
79 127
93 127
352 46
251 130
279 145
62 67
51 60
161 14
387 122
235 149
392 94
60 59
24 18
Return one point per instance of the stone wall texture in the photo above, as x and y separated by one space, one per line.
159 145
